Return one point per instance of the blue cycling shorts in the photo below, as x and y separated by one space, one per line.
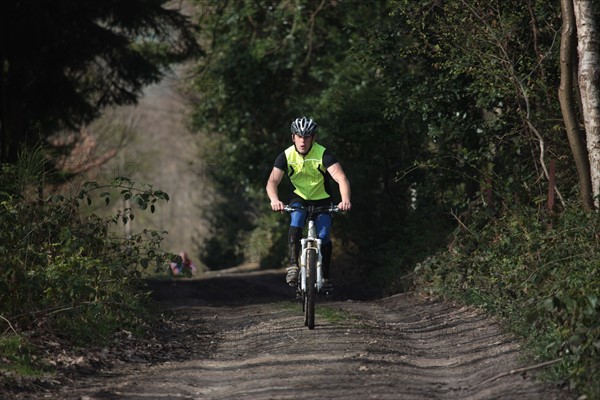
322 222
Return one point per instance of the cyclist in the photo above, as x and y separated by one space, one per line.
309 167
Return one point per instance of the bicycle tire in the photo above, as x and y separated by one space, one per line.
305 307
311 290
304 304
304 301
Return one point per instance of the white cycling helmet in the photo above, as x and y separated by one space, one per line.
304 127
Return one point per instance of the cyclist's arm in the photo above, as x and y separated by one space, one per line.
338 175
272 184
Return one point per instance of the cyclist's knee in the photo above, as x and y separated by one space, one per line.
324 236
297 217
323 227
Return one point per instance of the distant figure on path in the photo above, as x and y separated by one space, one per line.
183 265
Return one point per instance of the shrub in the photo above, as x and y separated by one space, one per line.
67 273
540 274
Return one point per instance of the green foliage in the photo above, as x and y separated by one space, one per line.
268 63
17 355
67 273
334 316
482 76
540 274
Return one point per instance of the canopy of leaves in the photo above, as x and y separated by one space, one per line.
270 62
483 77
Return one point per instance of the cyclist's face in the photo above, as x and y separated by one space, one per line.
303 143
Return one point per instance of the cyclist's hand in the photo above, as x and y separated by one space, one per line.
345 205
277 206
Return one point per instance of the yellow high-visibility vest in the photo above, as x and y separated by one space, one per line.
307 173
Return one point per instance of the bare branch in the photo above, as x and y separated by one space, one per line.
9 325
520 370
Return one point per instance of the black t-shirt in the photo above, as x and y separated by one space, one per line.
328 160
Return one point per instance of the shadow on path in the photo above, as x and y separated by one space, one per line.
225 289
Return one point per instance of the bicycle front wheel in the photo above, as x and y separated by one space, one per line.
311 287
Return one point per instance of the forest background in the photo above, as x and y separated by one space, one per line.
469 131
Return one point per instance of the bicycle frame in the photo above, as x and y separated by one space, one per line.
311 271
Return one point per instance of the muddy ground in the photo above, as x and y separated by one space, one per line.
241 336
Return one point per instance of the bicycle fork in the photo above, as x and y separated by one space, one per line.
311 241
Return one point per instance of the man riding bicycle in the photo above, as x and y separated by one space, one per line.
309 167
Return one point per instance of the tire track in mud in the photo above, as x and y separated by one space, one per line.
402 347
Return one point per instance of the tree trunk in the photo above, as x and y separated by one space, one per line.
568 104
588 47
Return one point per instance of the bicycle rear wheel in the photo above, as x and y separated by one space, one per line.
311 289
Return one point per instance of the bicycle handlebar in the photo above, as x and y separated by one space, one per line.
313 209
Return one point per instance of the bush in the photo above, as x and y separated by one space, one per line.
66 273
540 274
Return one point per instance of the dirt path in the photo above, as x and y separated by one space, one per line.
246 340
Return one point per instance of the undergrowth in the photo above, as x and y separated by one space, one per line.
65 274
391 262
332 315
540 275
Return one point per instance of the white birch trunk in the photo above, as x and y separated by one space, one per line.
588 48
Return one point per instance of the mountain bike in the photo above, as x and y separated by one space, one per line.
310 280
